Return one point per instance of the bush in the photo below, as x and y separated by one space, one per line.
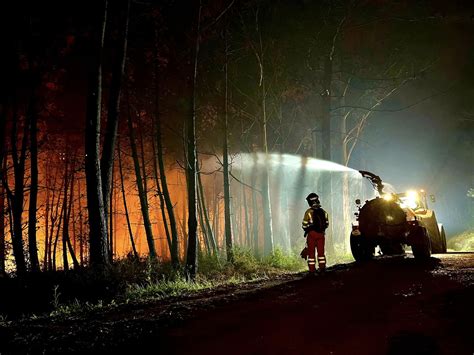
245 263
285 261
210 266
462 242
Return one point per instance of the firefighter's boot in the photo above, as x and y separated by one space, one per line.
321 264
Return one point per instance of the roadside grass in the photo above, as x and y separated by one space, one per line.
215 271
74 293
152 281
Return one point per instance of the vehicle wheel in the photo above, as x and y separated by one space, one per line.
361 249
421 244
443 240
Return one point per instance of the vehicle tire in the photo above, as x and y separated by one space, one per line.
444 247
437 245
361 248
421 244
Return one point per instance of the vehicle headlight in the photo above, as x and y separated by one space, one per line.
411 199
388 197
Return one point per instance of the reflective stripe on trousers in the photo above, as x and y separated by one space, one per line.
315 242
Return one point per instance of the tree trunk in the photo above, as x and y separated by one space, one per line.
81 224
56 239
174 250
95 201
46 221
74 223
17 199
267 214
202 223
246 215
10 217
191 164
255 209
127 216
207 225
147 221
65 214
107 160
141 190
111 217
225 154
346 203
160 196
54 215
266 204
33 200
326 186
66 223
326 109
216 219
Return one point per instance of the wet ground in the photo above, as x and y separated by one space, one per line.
391 305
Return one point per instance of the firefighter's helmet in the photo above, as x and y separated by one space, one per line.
313 199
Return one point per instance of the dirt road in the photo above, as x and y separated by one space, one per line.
388 306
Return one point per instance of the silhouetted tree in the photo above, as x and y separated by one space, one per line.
124 198
162 184
33 197
113 112
95 196
191 160
258 51
141 183
225 157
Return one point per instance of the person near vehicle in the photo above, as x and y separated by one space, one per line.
315 222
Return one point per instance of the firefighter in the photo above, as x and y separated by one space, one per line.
315 222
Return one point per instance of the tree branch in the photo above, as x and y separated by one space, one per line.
400 108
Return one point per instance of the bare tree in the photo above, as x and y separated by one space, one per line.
33 197
162 184
225 156
205 223
95 196
258 51
141 184
113 113
191 162
16 197
69 176
127 216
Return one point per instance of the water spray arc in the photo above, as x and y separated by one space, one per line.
290 178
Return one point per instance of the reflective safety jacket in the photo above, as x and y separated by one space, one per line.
315 219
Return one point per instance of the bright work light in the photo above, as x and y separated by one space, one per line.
388 197
410 200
